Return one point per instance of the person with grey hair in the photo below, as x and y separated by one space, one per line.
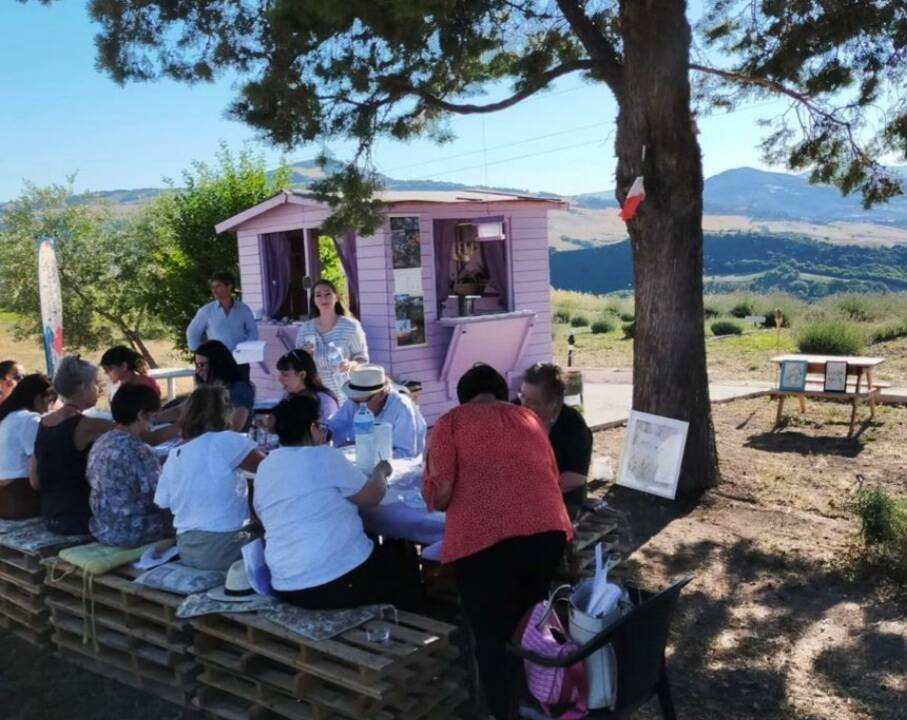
542 392
61 448
64 439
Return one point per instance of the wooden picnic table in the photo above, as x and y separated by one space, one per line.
858 366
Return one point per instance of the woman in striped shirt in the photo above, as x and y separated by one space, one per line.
330 325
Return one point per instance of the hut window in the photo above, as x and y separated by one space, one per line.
409 293
468 263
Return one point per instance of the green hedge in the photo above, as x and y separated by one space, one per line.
579 321
831 337
601 326
629 329
744 308
726 327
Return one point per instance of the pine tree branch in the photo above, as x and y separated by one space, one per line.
600 49
542 81
799 97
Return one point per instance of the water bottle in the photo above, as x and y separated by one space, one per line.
335 358
363 421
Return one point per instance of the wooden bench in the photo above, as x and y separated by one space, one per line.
252 666
123 631
860 387
23 610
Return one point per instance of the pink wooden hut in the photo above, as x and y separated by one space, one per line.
449 279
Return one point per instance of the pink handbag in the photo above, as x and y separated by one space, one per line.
561 690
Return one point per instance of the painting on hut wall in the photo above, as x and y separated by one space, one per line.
410 315
406 246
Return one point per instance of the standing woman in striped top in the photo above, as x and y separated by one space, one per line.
331 326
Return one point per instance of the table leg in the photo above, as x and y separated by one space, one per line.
171 388
780 410
853 417
802 404
872 397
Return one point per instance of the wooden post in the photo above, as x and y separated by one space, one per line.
779 320
780 410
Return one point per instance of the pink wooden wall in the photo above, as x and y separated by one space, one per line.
530 287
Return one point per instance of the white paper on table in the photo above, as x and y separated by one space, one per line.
251 351
153 557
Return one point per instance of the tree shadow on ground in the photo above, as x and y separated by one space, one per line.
641 516
800 443
737 627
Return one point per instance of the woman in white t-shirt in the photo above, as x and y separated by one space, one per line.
307 496
20 414
200 485
330 325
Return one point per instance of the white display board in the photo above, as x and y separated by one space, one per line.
652 454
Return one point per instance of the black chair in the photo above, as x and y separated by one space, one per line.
639 640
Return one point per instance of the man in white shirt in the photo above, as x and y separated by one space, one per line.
369 385
225 318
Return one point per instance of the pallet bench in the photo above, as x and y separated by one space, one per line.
23 610
254 668
122 631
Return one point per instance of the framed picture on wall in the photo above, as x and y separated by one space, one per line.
410 319
406 243
793 375
836 376
652 454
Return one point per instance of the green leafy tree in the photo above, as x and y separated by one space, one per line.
101 259
368 68
188 250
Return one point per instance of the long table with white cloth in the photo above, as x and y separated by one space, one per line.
402 513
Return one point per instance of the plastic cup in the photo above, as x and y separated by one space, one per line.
378 632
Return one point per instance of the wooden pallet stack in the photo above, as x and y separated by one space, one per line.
23 610
579 559
121 630
255 669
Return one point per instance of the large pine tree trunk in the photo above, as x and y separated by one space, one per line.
669 364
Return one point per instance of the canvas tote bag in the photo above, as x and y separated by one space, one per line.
594 605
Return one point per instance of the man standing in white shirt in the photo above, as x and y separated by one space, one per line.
225 318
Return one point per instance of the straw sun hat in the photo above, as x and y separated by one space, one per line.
365 381
236 589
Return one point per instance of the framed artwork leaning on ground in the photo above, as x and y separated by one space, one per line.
793 375
652 453
836 376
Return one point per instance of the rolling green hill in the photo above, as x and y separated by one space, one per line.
749 262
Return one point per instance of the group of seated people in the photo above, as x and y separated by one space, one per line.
85 473
508 503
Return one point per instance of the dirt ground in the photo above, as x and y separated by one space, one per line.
776 624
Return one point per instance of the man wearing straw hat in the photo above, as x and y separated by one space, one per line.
369 385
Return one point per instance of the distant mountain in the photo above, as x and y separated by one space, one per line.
762 195
748 262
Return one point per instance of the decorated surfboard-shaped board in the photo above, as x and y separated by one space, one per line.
51 304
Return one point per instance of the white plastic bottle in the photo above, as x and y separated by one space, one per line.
363 421
335 360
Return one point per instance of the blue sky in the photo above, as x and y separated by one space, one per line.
60 116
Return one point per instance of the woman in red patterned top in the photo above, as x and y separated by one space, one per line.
124 365
491 467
